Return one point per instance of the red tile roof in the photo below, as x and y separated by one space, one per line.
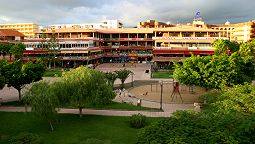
8 32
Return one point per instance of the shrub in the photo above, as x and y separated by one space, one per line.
26 138
137 121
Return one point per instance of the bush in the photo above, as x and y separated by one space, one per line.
26 138
137 121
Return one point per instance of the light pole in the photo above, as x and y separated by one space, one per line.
132 81
161 93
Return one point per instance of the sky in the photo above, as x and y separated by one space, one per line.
130 12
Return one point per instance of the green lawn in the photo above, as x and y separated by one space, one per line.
162 74
70 129
53 73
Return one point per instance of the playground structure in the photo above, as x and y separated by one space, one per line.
172 92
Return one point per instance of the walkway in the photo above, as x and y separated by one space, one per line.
167 113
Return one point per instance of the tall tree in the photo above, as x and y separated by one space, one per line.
224 47
247 49
84 86
52 46
214 71
43 101
123 74
18 75
2 78
17 50
5 50
111 78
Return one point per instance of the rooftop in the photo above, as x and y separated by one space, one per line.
8 32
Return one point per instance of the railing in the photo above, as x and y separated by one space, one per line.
75 58
188 38
127 39
126 47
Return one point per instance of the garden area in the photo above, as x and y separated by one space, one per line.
69 129
162 74
225 112
53 73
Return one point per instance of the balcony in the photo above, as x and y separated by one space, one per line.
74 58
135 39
190 39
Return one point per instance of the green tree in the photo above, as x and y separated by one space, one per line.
239 99
5 49
111 78
83 86
215 71
18 75
224 46
2 78
17 50
123 74
52 46
247 49
43 102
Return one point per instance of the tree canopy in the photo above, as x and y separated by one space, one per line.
2 78
83 86
18 75
123 74
111 77
218 70
224 47
42 100
5 49
17 50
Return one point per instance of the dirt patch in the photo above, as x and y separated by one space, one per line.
152 92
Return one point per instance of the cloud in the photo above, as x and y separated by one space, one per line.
129 11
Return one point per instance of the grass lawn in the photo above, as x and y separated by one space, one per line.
114 105
162 74
53 73
70 129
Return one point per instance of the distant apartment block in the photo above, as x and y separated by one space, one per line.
28 29
106 24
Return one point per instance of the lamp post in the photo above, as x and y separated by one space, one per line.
161 93
132 77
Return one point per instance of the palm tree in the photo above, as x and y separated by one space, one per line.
123 74
111 77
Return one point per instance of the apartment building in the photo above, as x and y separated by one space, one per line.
106 24
155 42
243 32
28 29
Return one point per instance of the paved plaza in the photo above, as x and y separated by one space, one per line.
11 94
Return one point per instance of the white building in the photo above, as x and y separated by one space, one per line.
103 25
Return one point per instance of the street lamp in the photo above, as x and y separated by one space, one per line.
161 93
132 77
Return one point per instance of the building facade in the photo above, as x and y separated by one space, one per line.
158 43
28 29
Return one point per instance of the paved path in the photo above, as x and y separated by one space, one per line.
107 112
168 108
10 94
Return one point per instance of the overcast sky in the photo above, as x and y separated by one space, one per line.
130 12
